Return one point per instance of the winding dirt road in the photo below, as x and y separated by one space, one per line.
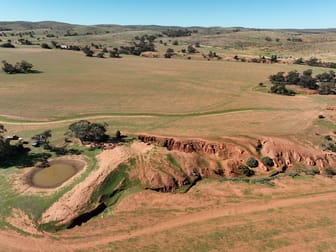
12 241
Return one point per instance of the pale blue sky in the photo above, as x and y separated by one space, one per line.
246 13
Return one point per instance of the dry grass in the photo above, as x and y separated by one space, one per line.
295 214
172 92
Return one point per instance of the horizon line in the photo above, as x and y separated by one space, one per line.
172 25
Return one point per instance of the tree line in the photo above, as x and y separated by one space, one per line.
315 62
324 83
14 147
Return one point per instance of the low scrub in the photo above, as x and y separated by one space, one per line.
252 162
245 170
267 161
22 67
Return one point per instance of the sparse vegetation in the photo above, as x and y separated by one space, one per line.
87 51
325 82
252 162
23 67
245 170
267 161
7 45
45 46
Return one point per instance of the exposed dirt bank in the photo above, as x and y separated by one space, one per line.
233 151
74 202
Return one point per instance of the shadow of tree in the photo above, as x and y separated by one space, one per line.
24 160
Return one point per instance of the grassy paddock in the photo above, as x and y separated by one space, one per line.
188 98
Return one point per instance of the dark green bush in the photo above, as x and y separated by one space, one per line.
252 162
245 170
330 172
267 161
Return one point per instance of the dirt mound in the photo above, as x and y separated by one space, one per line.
227 156
76 201
287 153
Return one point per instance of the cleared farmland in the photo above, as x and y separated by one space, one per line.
223 96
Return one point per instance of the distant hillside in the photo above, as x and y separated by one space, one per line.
226 41
53 25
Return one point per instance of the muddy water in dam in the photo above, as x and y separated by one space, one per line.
53 176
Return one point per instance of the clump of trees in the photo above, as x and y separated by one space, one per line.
87 51
45 46
86 131
19 67
173 33
7 150
191 49
145 43
325 82
7 45
313 61
169 53
329 144
245 170
114 53
42 139
24 41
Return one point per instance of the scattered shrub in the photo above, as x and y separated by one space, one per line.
175 43
330 172
252 162
7 45
328 138
118 134
245 170
20 67
101 55
267 161
45 46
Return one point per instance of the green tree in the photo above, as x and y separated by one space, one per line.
278 78
3 144
191 49
87 131
169 53
307 80
25 67
245 170
101 55
114 53
45 46
87 51
252 162
293 77
8 68
267 161
43 138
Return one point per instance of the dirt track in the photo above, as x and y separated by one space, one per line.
11 241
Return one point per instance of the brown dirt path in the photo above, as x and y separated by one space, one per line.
12 241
